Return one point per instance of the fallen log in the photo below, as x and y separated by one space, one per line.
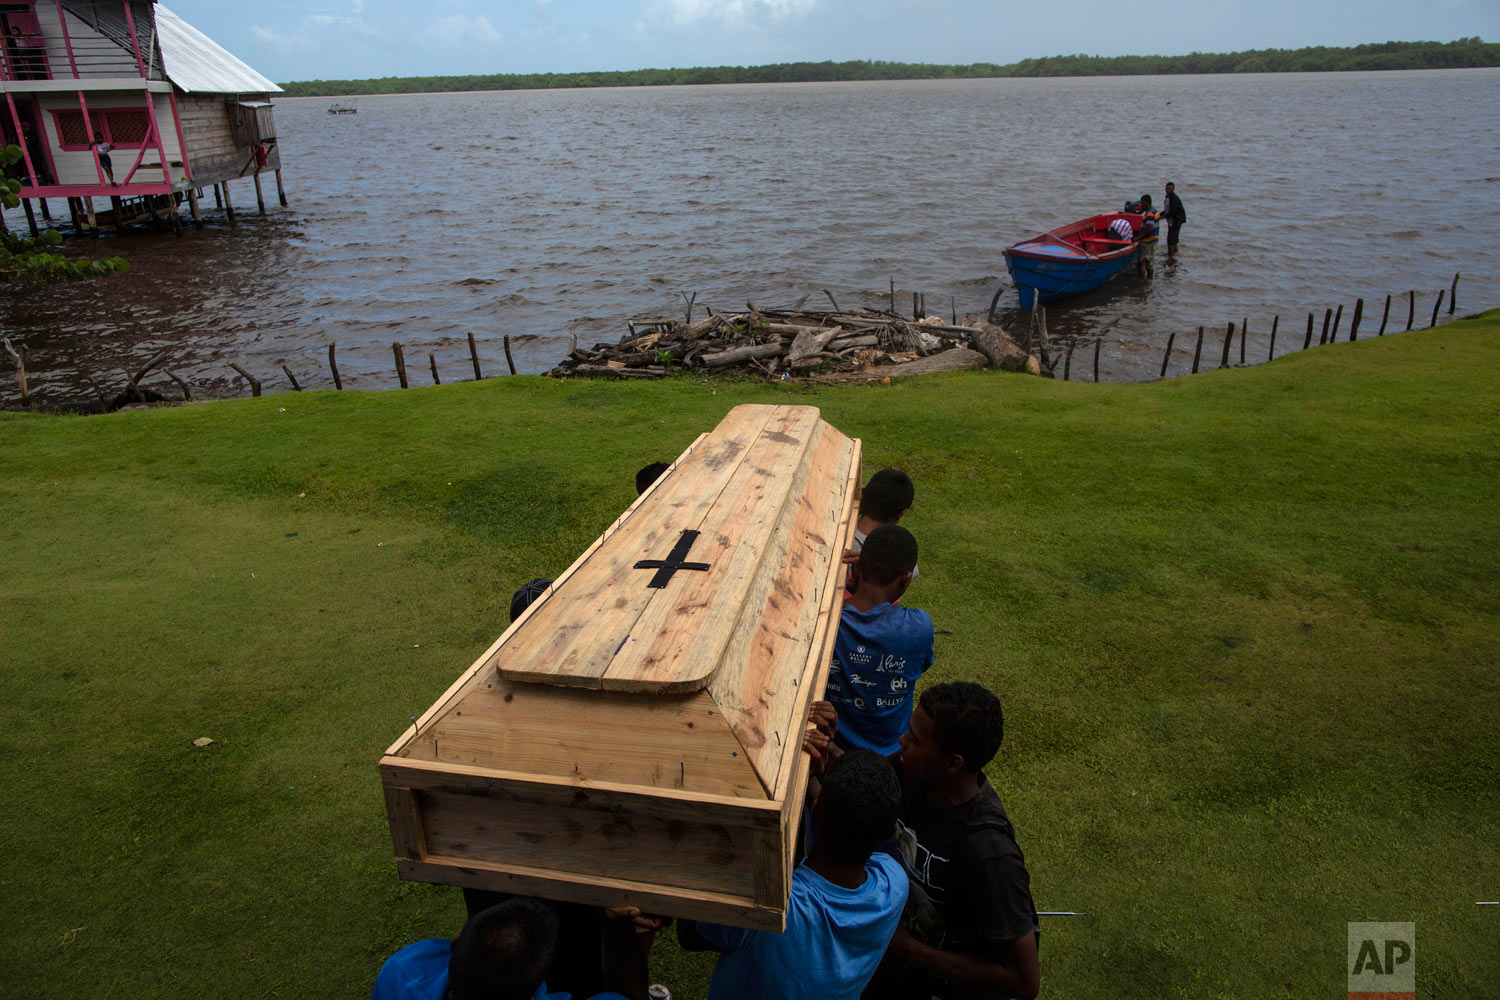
810 342
954 359
738 354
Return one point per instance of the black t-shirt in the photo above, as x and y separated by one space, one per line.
970 891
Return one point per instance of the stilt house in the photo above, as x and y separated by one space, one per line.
178 112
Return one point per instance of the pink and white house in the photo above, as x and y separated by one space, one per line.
179 113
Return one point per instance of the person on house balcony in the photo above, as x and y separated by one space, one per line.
101 150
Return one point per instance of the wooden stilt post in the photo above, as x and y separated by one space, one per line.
1244 329
1275 322
254 382
260 198
291 378
474 357
73 213
47 215
1435 307
280 188
1308 342
197 210
1411 307
1098 342
30 217
432 360
1228 341
90 215
1385 316
400 362
1359 312
1198 350
119 208
218 197
1068 358
1452 289
1167 355
1327 319
338 383
510 362
228 205
1333 338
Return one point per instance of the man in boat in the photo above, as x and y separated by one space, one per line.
1121 229
970 929
1145 265
1175 216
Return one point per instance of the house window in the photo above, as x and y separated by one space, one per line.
124 128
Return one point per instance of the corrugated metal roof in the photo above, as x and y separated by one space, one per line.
197 63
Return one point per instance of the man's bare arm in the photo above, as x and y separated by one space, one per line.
1021 979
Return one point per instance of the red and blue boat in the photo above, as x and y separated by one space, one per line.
1070 260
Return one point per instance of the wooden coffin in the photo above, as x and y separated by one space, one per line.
634 737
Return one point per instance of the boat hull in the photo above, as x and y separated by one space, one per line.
1069 261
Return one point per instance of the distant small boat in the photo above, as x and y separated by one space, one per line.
1072 259
343 109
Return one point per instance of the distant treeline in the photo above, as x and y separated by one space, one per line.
1465 53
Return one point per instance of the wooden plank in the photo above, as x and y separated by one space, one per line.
758 684
679 640
771 882
580 629
680 741
686 904
502 786
485 666
791 779
406 826
584 835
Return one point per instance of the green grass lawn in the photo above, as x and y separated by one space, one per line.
1245 626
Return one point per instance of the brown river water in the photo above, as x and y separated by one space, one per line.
424 218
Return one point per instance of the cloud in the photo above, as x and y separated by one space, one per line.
457 29
692 12
315 29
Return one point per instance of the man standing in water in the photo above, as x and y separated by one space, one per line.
1175 216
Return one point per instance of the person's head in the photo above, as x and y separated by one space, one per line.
1171 187
649 475
526 594
954 731
856 810
887 496
503 953
1145 203
886 561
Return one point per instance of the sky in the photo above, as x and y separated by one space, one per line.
346 39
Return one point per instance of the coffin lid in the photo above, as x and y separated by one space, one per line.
753 502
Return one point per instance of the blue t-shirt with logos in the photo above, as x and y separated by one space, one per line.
878 656
420 972
834 939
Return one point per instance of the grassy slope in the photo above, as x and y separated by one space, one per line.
1245 626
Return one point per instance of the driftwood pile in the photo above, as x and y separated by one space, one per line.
837 346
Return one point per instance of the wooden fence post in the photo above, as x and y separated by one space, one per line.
1327 319
1435 307
1452 292
1411 307
1068 360
510 362
1228 342
254 382
1333 338
291 378
1198 350
1098 342
1308 342
338 383
400 363
474 357
1166 356
1244 329
431 360
1385 316
1275 322
1359 311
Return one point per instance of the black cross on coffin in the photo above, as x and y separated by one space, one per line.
666 567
